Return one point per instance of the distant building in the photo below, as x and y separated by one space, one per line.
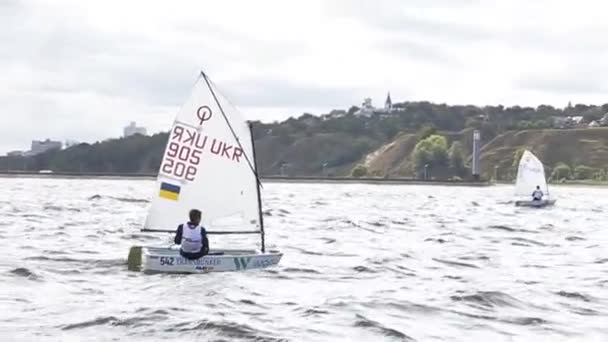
367 109
594 124
388 104
16 154
133 129
560 121
568 121
39 146
70 143
577 121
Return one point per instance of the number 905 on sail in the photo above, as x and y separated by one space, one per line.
181 161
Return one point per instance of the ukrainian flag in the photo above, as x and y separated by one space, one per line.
169 191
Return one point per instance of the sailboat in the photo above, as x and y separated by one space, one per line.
530 174
209 164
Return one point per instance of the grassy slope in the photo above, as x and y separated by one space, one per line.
587 146
395 158
574 147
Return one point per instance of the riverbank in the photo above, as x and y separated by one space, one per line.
589 183
269 179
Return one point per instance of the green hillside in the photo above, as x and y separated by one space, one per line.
383 143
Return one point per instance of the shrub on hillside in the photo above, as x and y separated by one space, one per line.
359 171
583 172
433 151
561 171
600 175
456 156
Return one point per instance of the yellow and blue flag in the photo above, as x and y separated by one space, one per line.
169 191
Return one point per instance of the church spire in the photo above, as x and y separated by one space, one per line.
388 104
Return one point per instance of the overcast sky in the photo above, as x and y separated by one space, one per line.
83 69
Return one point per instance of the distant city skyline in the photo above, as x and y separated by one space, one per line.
82 69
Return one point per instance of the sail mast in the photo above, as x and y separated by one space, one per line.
261 215
253 166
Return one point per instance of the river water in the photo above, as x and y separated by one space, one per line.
362 263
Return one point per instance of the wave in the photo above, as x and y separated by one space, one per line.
510 320
574 295
489 299
230 330
455 263
364 322
97 321
120 199
24 272
91 263
314 312
438 240
527 242
575 238
300 270
130 200
305 251
58 208
363 269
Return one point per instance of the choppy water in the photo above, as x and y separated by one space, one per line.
362 263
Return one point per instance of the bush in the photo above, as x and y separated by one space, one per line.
456 155
359 171
600 175
433 151
583 172
560 172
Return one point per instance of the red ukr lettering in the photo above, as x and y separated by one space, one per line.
178 131
172 150
226 150
195 157
190 138
200 144
184 156
237 154
218 149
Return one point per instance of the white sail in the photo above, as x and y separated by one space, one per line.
205 168
530 174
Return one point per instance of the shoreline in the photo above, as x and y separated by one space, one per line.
266 179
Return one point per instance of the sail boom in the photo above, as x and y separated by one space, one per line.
229 232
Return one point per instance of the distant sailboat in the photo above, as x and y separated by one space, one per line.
531 174
209 164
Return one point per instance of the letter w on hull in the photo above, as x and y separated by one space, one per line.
241 263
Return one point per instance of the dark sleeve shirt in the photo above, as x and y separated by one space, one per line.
178 234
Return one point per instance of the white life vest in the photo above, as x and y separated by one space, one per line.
192 241
537 194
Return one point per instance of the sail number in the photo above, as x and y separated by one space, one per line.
169 261
181 161
185 150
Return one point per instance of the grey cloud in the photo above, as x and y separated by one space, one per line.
279 93
577 80
425 52
390 16
78 58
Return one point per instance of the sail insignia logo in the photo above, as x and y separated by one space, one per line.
203 114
